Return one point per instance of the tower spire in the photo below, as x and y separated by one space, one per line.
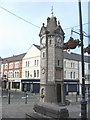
52 10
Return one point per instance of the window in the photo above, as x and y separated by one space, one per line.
72 65
71 75
43 55
26 74
10 65
26 63
58 62
88 66
6 66
16 85
50 42
64 63
17 65
64 74
16 74
74 75
34 73
35 62
10 74
37 73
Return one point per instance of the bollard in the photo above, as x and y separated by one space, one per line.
26 98
9 98
76 98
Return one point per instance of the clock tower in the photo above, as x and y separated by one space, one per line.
51 42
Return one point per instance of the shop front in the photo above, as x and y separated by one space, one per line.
31 85
15 85
71 86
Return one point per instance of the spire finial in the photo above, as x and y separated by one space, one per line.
52 10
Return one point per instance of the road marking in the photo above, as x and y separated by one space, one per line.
24 97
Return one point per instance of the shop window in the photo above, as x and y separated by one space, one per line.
16 85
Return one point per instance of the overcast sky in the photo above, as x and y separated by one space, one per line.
16 35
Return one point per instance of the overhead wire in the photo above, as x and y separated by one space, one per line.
34 24
19 17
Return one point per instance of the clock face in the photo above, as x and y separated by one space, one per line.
43 70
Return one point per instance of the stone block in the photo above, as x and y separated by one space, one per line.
51 110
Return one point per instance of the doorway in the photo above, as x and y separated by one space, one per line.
58 93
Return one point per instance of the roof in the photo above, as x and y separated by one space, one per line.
74 56
13 58
37 46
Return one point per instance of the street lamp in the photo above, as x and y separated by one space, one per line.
83 102
71 44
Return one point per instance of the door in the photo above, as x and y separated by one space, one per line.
58 92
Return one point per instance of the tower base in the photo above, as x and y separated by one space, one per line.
53 92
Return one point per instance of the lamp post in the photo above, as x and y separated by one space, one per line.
83 102
71 44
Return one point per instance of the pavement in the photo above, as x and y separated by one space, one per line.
18 109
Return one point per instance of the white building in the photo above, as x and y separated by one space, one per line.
31 69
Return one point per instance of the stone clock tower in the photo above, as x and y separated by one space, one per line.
51 42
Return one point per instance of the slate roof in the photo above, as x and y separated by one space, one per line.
74 56
13 58
37 46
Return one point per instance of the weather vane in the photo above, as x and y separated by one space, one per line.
52 10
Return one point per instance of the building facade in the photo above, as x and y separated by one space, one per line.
71 72
11 72
31 70
18 72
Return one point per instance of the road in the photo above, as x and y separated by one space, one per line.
17 107
19 97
